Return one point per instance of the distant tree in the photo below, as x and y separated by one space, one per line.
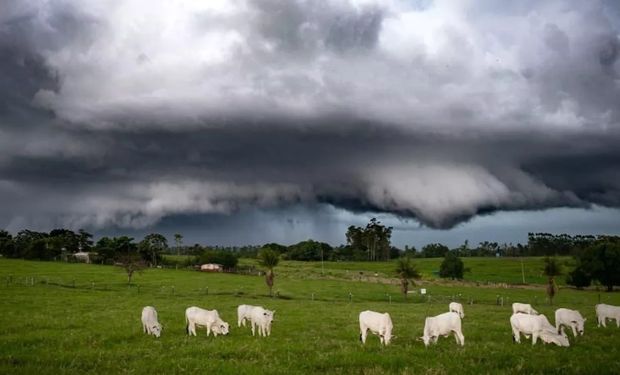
269 259
374 240
434 250
552 269
7 247
178 242
406 272
309 250
85 240
152 246
451 267
602 261
131 263
280 249
579 277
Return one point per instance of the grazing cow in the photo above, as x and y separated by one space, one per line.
524 308
457 308
150 325
604 312
569 318
377 323
195 316
261 318
537 326
443 325
244 313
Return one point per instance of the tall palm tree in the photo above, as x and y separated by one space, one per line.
269 259
406 271
552 269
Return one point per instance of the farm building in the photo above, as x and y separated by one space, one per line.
212 267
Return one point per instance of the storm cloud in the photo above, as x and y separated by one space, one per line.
124 114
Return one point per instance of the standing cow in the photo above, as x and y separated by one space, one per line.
244 313
443 325
524 308
261 318
377 323
150 325
537 326
604 312
457 308
195 316
569 318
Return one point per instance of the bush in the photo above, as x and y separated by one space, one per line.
452 267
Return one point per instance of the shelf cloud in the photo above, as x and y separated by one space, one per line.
122 114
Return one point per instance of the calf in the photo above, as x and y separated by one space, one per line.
525 308
195 316
457 308
443 325
150 325
537 326
377 323
604 312
569 318
261 318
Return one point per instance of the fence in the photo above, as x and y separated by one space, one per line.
345 296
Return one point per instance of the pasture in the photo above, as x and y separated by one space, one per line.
76 318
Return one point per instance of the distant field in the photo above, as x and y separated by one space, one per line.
76 318
483 269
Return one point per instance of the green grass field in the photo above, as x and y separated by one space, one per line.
74 318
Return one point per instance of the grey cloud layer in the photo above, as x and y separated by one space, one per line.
124 114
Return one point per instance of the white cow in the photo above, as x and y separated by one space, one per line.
261 318
244 313
457 308
150 325
524 308
377 323
443 325
195 316
569 318
537 326
604 312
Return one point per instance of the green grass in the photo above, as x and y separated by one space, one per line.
482 270
94 327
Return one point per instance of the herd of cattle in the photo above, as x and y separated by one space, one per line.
524 320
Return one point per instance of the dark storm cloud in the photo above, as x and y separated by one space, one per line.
125 115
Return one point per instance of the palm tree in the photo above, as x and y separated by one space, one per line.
552 269
406 271
178 241
269 259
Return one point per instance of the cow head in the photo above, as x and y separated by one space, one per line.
268 316
580 325
156 329
220 328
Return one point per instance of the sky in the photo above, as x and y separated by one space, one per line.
244 122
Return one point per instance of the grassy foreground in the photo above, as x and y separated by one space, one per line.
75 318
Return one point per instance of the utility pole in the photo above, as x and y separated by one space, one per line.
522 271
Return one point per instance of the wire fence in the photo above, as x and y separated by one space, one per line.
346 296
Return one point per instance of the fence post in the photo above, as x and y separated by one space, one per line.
207 290
173 290
313 296
390 298
350 297
92 285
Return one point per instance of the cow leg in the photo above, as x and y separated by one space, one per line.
208 329
363 333
461 338
253 327
534 338
574 330
144 328
618 321
516 337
